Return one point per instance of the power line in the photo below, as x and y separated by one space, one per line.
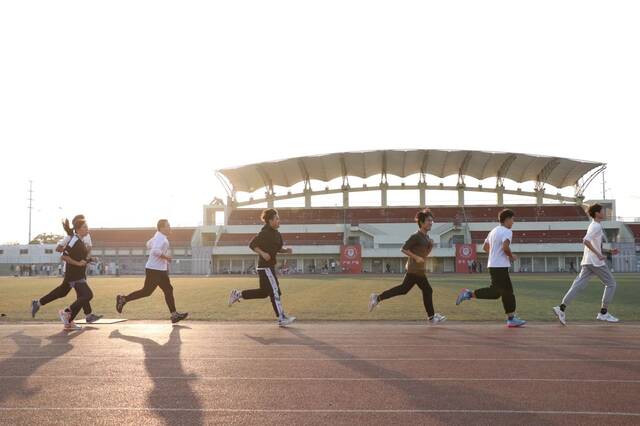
30 207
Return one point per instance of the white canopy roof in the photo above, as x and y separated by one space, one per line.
555 171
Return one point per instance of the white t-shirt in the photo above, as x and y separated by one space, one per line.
158 246
497 256
595 235
86 240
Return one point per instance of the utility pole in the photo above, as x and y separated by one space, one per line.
30 207
604 189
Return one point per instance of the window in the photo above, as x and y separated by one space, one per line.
526 264
539 264
48 251
1 251
24 251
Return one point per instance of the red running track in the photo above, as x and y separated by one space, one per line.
320 373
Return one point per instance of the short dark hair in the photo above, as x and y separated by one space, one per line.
162 223
268 214
505 214
594 209
422 216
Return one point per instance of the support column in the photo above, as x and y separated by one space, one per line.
307 198
539 196
383 194
500 194
422 189
461 188
345 195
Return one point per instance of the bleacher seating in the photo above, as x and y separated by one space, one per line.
137 238
356 215
537 237
292 239
635 229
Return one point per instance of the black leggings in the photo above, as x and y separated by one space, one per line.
500 287
61 291
153 279
83 297
269 287
407 284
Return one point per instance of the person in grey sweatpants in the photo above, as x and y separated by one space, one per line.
593 264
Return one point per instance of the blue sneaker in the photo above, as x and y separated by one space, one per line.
515 322
465 294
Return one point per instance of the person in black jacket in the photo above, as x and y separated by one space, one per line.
76 255
267 244
63 289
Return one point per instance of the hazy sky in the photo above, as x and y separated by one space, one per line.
122 110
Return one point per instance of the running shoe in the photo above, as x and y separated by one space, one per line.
35 307
373 301
607 317
560 314
465 294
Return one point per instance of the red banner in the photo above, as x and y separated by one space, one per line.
351 259
465 256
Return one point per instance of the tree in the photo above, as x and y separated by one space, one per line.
46 239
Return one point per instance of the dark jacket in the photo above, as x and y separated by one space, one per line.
270 241
77 251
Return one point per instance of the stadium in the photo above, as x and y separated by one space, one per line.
547 234
346 216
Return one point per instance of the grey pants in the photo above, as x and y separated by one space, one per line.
583 278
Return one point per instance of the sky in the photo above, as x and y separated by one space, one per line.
123 110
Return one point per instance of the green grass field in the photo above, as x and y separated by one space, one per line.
326 298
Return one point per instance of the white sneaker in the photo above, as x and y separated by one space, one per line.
437 318
285 321
607 317
64 316
560 314
235 296
373 301
71 326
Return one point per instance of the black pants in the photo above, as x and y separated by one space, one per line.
500 288
83 297
269 287
153 279
59 292
409 281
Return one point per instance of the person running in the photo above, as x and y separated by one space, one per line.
267 244
498 245
156 273
416 248
75 255
64 288
593 263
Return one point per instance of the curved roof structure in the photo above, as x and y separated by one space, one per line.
555 171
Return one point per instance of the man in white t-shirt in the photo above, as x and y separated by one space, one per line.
156 273
498 244
593 263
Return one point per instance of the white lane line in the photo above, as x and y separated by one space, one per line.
330 411
205 345
354 359
326 379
